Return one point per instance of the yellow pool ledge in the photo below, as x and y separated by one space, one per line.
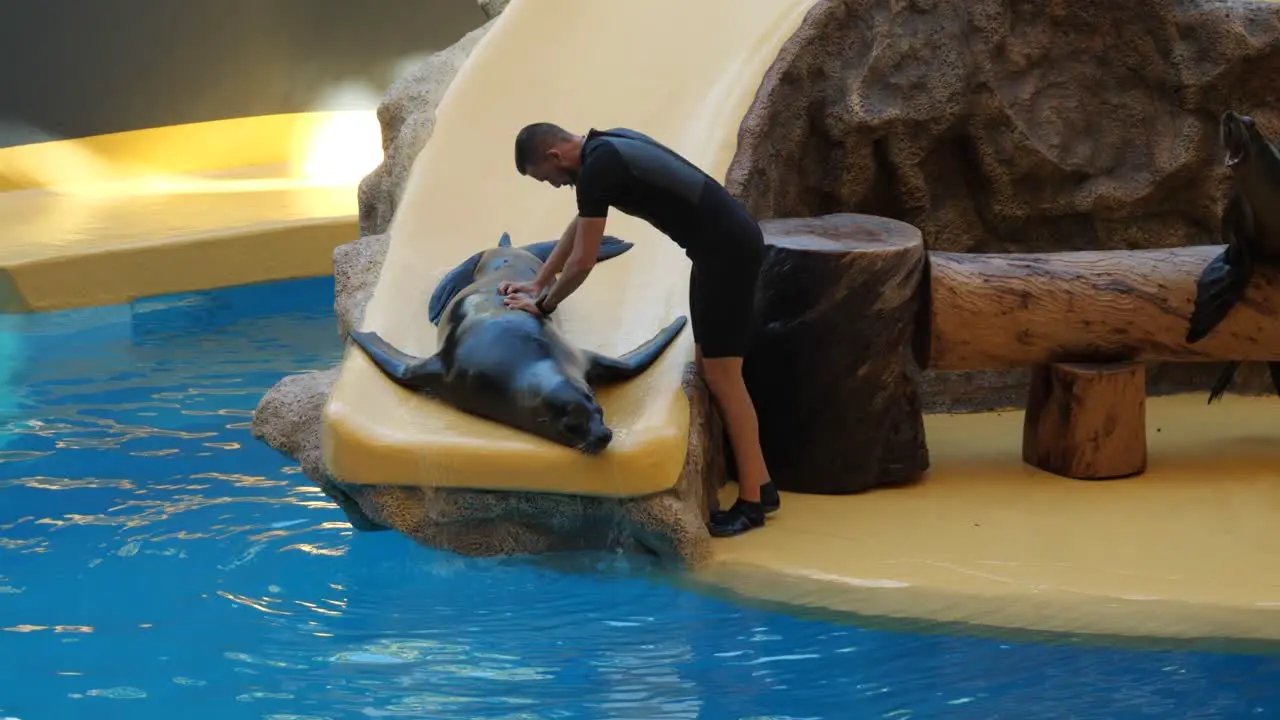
112 218
1188 550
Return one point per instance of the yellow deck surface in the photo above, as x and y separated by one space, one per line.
1189 549
111 218
684 72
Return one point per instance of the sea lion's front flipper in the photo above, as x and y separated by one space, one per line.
415 373
450 285
1218 290
610 247
1223 382
1224 279
604 369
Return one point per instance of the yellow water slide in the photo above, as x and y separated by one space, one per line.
683 72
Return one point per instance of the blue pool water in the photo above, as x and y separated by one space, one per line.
157 562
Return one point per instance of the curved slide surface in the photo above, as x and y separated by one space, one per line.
683 72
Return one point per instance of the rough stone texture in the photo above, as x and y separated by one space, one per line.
669 525
1013 125
493 8
355 273
408 115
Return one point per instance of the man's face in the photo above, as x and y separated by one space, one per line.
555 169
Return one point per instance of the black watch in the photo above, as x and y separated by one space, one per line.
542 308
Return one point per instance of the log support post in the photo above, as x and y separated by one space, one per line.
832 371
1087 420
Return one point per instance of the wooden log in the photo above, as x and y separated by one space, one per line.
1087 421
1000 311
831 371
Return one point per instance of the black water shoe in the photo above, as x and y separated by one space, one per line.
742 516
769 498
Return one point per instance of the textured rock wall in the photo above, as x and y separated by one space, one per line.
669 525
408 115
1013 125
493 8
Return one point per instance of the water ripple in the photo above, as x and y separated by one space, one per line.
156 560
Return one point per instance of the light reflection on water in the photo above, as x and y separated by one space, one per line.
156 560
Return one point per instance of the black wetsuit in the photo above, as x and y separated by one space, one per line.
639 176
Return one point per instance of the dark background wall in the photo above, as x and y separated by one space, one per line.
71 68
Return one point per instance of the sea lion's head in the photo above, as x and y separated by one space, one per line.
1240 137
574 418
564 411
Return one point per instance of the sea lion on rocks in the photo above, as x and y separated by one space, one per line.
507 365
1251 229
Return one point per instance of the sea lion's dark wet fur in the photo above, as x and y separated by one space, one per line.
1250 228
508 366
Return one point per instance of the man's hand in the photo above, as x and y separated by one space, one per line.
519 301
532 288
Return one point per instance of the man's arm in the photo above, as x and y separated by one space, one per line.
597 184
556 260
586 248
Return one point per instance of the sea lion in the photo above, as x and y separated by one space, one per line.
507 365
1250 228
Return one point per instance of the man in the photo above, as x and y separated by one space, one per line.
635 174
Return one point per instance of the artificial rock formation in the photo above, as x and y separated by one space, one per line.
493 8
831 371
668 525
1012 126
1087 421
407 115
355 273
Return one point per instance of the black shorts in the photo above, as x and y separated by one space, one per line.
722 286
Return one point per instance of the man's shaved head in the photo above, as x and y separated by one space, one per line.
548 152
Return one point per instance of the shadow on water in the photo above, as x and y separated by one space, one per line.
155 559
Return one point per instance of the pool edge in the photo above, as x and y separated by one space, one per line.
1180 552
932 609
222 257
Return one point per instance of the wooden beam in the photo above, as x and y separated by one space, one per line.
1001 311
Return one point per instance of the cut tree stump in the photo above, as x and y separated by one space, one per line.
1012 310
831 372
1087 421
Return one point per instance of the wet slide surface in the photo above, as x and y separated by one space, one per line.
682 72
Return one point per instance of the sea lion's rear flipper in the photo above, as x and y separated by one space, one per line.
604 369
1223 382
415 373
451 284
610 247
